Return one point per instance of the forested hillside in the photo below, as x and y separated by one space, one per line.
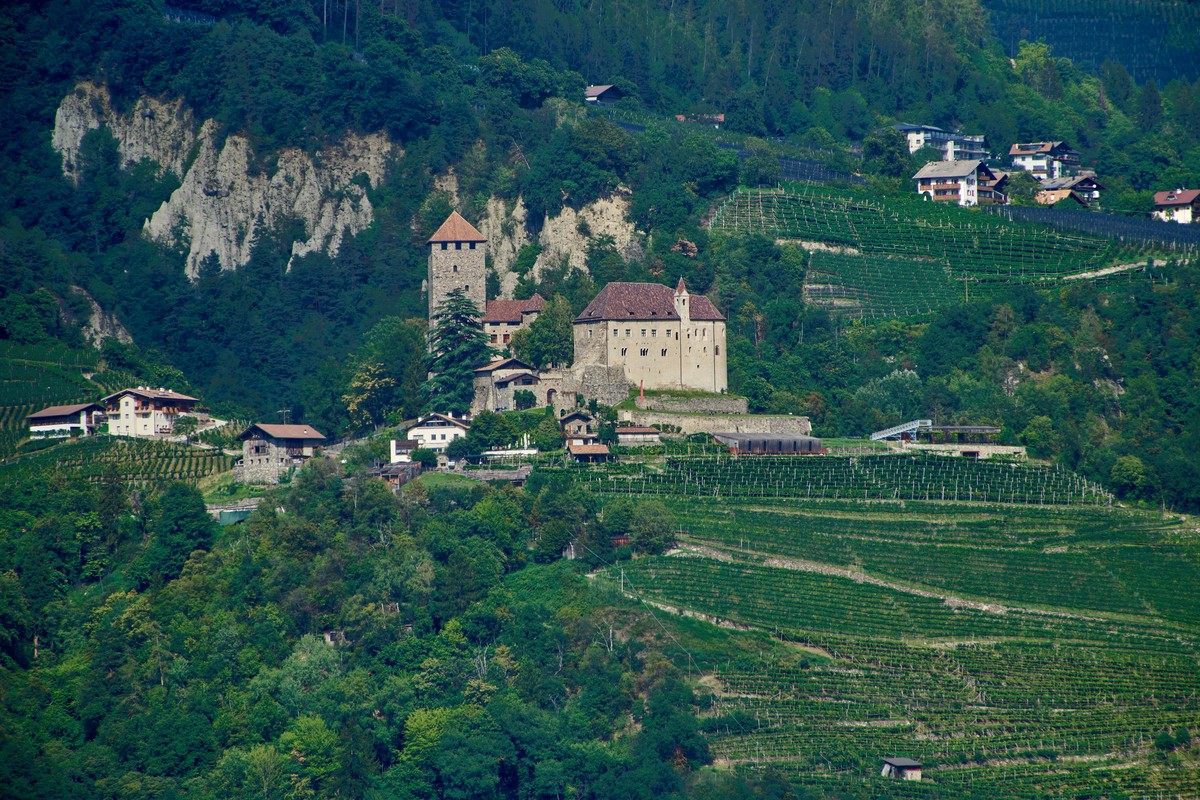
348 642
295 332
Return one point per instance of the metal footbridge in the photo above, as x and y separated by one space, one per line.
903 428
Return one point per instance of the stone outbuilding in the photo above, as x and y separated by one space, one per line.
59 421
903 768
503 318
270 452
579 428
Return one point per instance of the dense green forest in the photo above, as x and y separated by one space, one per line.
347 643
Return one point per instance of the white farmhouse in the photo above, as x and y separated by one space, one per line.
436 431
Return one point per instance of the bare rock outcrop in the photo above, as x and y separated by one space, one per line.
227 200
100 325
565 235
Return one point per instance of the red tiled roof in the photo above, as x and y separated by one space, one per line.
515 376
703 310
283 431
152 394
596 91
588 449
643 301
503 311
512 310
1176 197
636 429
456 229
60 411
504 363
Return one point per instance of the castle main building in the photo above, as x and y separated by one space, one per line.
632 334
662 339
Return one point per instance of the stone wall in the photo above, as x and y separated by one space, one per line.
727 404
722 423
981 450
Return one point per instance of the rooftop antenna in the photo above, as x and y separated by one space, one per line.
286 413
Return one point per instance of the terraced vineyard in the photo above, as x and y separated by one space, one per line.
901 256
883 477
138 462
1018 650
35 376
879 286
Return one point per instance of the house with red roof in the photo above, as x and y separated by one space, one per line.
146 412
503 318
661 338
1177 205
58 421
271 451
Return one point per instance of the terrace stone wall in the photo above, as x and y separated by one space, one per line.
694 405
721 423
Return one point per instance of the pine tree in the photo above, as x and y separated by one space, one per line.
459 346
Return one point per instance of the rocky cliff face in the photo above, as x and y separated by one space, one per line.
564 236
101 325
226 202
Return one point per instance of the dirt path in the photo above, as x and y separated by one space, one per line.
1100 273
798 565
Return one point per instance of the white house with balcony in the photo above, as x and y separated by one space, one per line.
436 431
963 183
1177 205
145 412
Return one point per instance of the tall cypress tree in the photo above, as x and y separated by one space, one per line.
458 346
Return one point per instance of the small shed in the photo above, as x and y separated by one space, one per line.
589 453
903 768
602 94
397 474
769 443
637 435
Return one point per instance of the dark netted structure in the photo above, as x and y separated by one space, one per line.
769 443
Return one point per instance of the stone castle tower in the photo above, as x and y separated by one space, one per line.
456 261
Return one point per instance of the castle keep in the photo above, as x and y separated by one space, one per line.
631 334
456 261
